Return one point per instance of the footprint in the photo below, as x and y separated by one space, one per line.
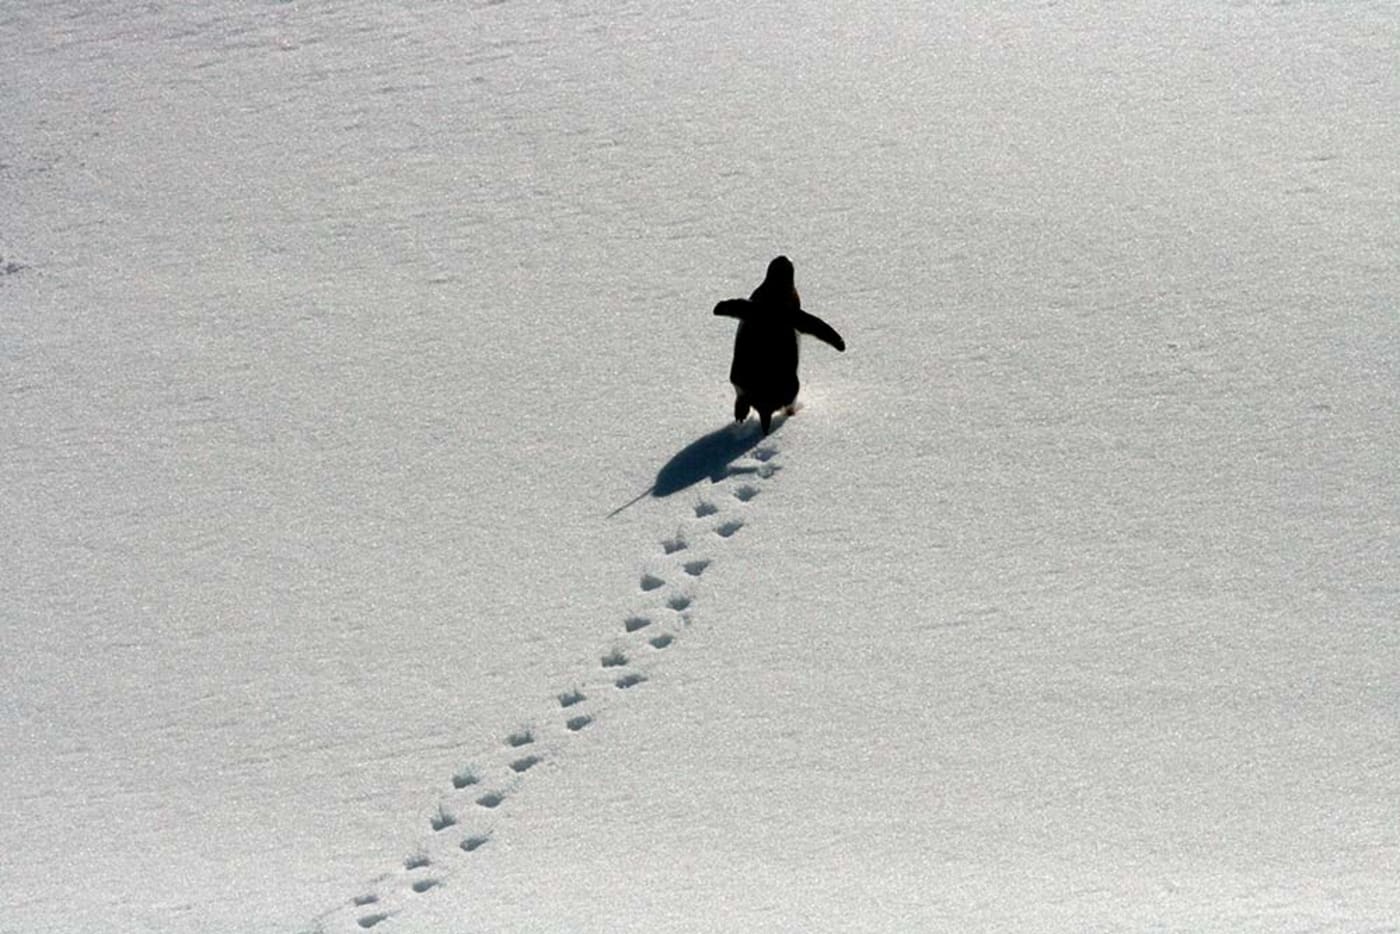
764 454
416 862
651 582
525 764
492 799
634 623
729 528
422 885
577 723
696 568
679 602
705 509
523 738
661 641
474 843
614 660
369 921
441 820
570 698
745 493
361 901
631 680
464 779
673 545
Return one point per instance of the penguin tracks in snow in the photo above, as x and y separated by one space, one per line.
461 825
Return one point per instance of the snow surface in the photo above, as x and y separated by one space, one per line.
333 337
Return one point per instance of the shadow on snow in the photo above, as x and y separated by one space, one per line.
707 457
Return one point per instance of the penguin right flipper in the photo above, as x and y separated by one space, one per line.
811 324
739 308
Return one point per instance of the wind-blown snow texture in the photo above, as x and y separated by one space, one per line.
331 335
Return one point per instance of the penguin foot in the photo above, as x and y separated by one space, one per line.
766 420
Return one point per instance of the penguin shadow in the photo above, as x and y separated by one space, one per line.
706 458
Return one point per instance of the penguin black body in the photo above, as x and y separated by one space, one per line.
764 372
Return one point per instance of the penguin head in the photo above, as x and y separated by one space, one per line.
777 288
780 273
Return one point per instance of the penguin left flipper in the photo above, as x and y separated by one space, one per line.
811 324
739 308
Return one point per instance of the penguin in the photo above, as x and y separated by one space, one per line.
764 371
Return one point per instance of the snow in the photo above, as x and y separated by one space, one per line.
358 383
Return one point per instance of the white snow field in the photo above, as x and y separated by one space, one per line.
366 467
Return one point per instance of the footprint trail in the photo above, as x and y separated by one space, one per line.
463 819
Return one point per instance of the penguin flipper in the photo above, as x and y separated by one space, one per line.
739 308
811 324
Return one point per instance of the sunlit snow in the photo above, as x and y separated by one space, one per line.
376 552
